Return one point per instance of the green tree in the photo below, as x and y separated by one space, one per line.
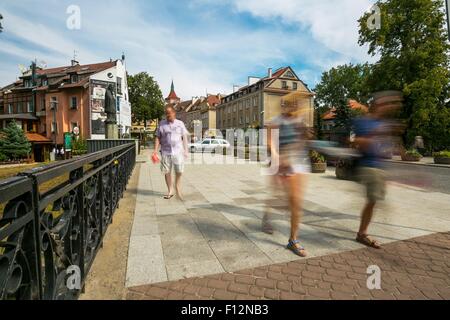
14 143
146 98
337 86
413 50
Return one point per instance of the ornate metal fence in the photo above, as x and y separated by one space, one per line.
53 219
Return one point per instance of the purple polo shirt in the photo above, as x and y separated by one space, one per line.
170 135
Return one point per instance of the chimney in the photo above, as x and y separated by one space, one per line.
269 73
74 62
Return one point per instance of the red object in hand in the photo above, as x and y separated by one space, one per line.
155 158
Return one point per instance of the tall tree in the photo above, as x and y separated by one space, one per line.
146 98
14 144
413 48
337 86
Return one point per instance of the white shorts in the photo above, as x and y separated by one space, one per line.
172 162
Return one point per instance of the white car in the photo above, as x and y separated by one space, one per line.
209 145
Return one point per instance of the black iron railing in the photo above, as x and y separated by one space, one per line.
97 145
53 219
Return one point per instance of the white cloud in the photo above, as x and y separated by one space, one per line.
331 22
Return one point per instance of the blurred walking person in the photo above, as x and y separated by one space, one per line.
370 133
172 136
289 155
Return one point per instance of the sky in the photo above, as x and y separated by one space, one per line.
205 46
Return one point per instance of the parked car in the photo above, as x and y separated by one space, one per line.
209 145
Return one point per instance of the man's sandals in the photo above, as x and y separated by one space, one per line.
365 240
295 247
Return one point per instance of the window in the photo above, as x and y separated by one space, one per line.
53 103
10 108
19 107
119 85
289 74
30 126
27 83
206 142
73 125
248 102
30 106
294 85
284 84
74 78
44 82
215 142
73 103
43 104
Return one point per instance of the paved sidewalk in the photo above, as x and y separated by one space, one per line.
411 269
217 228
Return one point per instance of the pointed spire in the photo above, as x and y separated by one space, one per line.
172 98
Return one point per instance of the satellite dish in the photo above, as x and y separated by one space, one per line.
22 68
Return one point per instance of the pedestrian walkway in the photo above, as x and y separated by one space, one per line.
411 269
217 228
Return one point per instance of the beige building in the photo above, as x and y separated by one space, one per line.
257 103
198 110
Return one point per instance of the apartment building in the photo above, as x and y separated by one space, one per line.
49 103
255 104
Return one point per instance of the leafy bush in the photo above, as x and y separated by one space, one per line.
79 146
442 154
316 157
413 152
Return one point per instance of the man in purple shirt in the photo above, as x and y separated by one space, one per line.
172 136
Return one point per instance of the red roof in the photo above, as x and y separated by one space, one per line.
279 72
172 96
36 137
353 104
213 100
85 68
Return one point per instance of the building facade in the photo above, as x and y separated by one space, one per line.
254 105
49 103
196 111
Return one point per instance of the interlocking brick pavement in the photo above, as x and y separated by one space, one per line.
417 268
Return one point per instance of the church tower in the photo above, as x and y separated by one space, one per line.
172 98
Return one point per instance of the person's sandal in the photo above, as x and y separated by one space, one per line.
298 250
267 228
365 240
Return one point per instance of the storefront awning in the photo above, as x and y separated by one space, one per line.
37 138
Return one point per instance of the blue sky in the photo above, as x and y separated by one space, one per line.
203 45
